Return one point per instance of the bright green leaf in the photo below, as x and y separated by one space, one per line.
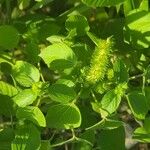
33 114
137 30
63 116
58 56
25 73
110 102
7 89
25 98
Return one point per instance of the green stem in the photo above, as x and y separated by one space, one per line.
8 10
93 95
64 142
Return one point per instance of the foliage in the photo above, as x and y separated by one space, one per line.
70 69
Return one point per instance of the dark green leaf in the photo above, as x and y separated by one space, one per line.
61 93
138 104
9 37
63 116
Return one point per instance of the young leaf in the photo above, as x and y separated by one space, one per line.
138 104
25 73
33 114
25 98
9 37
63 116
61 93
58 56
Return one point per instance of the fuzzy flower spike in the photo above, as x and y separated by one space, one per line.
99 61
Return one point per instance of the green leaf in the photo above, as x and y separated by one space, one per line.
33 114
138 104
25 73
25 98
137 30
58 56
7 106
27 138
61 93
121 73
147 124
45 145
7 89
106 124
110 102
23 4
112 139
6 137
101 3
78 23
141 135
63 116
66 82
9 37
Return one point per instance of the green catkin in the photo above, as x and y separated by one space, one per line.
99 61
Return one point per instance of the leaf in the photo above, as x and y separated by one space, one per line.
66 82
112 139
6 137
58 56
25 98
7 106
45 145
141 135
106 124
25 73
7 89
138 104
121 73
110 102
61 93
27 137
137 30
33 114
77 22
23 4
9 37
101 3
63 116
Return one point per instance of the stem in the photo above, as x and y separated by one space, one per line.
42 78
64 142
143 86
93 95
84 140
136 76
8 10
